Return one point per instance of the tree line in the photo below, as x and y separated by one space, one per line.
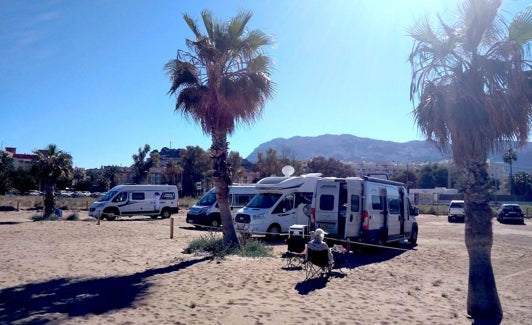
189 166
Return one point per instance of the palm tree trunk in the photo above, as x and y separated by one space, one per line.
49 200
222 180
483 303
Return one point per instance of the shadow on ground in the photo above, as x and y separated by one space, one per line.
32 302
350 261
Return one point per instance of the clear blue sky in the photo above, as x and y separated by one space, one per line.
87 75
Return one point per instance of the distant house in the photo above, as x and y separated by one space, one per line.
23 160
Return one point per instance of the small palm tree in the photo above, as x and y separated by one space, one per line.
221 81
473 97
52 164
509 157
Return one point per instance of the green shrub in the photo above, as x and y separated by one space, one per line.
40 217
255 248
211 243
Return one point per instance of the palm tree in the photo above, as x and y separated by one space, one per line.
472 97
52 164
221 81
509 157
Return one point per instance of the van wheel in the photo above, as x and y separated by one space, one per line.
413 235
109 215
214 222
165 214
273 232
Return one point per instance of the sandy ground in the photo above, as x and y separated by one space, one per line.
131 272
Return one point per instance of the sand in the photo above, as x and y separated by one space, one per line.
131 272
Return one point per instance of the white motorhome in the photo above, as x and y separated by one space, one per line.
134 200
367 209
206 212
280 203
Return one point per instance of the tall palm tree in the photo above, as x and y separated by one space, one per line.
509 157
52 164
472 97
221 81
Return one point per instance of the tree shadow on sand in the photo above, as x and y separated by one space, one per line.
31 302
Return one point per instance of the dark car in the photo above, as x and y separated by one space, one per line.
510 212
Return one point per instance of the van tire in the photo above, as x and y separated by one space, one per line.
215 222
110 214
413 235
165 213
273 232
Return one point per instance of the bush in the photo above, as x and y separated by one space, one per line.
213 244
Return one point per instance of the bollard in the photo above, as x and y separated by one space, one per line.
171 228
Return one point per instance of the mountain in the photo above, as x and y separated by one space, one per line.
346 147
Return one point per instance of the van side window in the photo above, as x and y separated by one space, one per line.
303 198
327 202
242 199
137 196
121 197
376 202
286 204
355 203
393 205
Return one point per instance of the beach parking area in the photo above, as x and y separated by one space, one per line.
130 271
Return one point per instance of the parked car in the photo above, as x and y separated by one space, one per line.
34 193
510 212
456 211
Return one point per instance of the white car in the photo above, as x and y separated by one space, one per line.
456 211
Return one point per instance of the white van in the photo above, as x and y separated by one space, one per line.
206 212
366 209
280 203
134 200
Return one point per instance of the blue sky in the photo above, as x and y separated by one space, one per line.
87 75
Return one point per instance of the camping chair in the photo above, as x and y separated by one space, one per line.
317 263
294 253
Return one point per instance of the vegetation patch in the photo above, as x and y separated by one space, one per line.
212 244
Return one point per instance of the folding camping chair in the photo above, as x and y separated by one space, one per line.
295 255
317 263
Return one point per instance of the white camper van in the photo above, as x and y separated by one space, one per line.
367 209
280 203
206 212
135 200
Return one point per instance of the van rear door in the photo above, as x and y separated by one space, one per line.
327 198
354 201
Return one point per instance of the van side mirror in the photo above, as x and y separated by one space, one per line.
415 211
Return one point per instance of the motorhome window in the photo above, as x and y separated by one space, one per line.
122 197
393 205
355 203
138 196
208 199
286 204
263 200
303 198
242 199
107 196
376 202
327 202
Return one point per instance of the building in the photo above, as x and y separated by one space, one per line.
23 160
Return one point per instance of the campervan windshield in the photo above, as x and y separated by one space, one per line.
109 195
263 200
208 199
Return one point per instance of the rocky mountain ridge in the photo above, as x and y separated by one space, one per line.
350 148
